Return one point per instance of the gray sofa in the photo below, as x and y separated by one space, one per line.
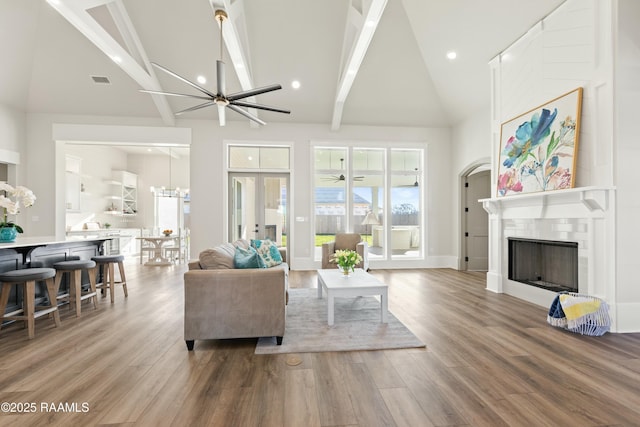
223 302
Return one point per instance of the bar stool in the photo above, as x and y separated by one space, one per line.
27 277
107 262
75 268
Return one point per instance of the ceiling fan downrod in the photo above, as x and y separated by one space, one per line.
221 16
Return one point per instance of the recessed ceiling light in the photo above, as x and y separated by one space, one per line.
202 80
295 84
116 59
452 55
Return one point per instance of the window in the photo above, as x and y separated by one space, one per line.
330 193
384 202
255 157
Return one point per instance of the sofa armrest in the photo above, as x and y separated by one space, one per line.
283 253
194 265
362 249
328 249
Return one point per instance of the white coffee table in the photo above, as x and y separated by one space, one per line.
359 283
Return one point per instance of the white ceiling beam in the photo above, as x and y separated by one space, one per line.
237 44
75 11
361 26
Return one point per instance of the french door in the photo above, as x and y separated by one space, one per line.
258 206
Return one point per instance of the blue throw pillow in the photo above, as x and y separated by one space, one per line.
247 258
268 251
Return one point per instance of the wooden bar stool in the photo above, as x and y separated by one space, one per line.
29 312
75 268
107 262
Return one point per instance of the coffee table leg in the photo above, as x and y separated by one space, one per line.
330 307
319 289
384 307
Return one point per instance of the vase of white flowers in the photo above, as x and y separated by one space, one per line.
10 203
346 260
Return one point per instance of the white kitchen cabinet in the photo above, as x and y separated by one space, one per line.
123 199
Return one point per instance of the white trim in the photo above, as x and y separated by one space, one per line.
8 156
114 135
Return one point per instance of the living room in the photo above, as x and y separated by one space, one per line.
534 74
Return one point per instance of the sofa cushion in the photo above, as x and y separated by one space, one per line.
247 258
268 251
242 243
220 257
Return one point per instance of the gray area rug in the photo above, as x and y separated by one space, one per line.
357 326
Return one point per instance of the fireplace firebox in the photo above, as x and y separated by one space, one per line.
547 264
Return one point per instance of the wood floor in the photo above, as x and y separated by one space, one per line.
490 360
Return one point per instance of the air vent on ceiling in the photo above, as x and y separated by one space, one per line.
101 80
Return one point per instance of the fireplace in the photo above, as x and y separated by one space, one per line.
546 264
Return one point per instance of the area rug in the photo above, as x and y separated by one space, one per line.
357 326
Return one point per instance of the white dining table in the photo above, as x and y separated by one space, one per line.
157 256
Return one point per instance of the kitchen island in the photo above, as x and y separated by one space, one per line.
29 252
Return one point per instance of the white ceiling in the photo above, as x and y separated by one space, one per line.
405 78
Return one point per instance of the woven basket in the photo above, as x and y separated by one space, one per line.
594 324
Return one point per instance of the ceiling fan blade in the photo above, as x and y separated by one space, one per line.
252 92
197 107
246 114
260 107
221 78
155 92
222 114
171 73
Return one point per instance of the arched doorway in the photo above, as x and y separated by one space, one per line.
475 184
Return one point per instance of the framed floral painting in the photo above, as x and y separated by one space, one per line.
538 148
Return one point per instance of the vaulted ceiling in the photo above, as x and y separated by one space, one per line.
51 51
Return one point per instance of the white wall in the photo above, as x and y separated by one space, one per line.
627 150
12 152
12 128
470 146
570 48
208 179
208 174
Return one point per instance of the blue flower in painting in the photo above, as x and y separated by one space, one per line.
541 125
513 150
528 136
551 166
530 168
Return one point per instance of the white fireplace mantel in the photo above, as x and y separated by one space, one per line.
537 205
585 215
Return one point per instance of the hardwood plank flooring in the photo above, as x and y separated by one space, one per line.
490 360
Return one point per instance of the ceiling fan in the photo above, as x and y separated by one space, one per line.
415 184
341 177
232 101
